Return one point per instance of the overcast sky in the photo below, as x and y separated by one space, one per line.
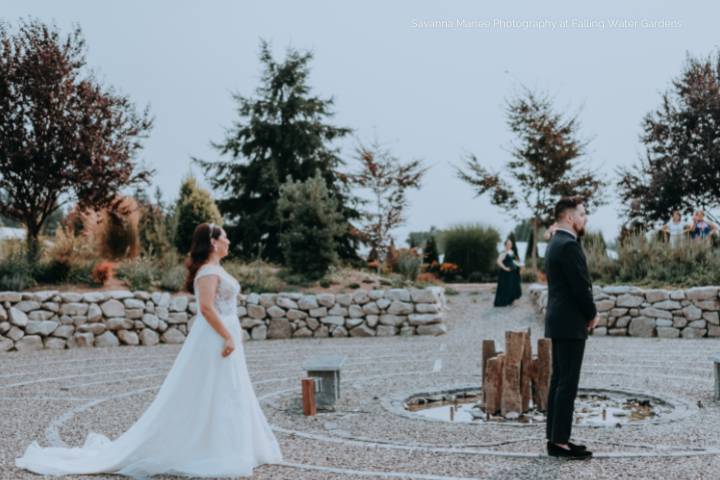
428 79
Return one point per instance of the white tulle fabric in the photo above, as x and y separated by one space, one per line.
204 422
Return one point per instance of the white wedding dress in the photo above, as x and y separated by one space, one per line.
204 422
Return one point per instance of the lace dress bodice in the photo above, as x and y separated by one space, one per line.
227 290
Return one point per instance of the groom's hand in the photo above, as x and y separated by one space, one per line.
593 323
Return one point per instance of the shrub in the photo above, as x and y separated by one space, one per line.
473 248
16 272
528 275
310 223
140 273
257 276
194 206
408 264
118 233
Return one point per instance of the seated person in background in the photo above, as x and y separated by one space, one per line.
675 228
550 231
700 228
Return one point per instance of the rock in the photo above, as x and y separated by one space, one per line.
11 297
15 333
360 297
407 331
94 328
150 320
343 299
713 331
668 332
694 324
295 314
259 332
383 303
134 303
424 295
616 289
712 305
27 305
302 332
667 305
250 323
255 311
702 293
252 298
434 329
149 337
162 313
161 299
51 306
177 317
356 311
178 303
353 322
680 322
663 322
40 315
275 312
173 336
267 300
339 332
692 312
424 319
318 312
333 320
94 313
78 320
142 295
655 313
325 299
107 339
604 305
54 343
677 295
376 294
689 332
712 317
392 320
617 332
44 327
400 308
113 308
629 301
128 337
386 331
307 302
362 331
70 297
4 327
64 331
322 332
618 312
312 323
94 297
338 310
193 308
17 317
642 327
372 320
279 328
287 303
3 314
399 294
29 343
653 296
74 308
6 344
600 331
84 339
119 323
427 308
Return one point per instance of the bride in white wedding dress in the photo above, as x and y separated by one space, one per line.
205 420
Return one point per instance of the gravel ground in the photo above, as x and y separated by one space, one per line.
56 396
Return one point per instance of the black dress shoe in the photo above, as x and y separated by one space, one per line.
571 453
577 447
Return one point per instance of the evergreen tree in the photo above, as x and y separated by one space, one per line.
154 238
430 252
310 223
283 131
194 206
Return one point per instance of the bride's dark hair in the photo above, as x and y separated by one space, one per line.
199 251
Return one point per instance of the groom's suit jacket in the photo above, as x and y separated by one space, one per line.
570 303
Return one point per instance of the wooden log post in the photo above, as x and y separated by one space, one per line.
526 372
492 384
488 352
511 387
542 373
308 397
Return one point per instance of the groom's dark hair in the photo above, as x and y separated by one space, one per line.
565 204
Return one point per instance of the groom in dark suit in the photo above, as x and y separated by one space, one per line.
570 315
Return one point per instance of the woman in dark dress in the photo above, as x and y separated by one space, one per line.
508 286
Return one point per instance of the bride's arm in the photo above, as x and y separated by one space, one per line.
207 286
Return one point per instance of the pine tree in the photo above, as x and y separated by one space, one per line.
310 223
283 131
194 206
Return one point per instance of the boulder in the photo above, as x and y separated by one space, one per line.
642 327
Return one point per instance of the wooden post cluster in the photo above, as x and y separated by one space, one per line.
513 378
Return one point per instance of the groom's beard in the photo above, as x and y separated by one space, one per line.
580 232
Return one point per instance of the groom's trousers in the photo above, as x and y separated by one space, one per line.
567 357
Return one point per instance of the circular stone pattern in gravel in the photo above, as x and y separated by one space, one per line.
56 397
